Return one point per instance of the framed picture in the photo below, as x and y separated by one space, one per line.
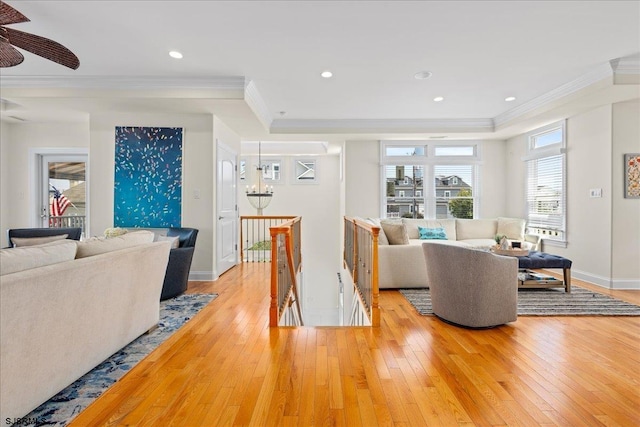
305 171
148 177
632 176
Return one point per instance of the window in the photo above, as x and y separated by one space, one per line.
546 195
401 180
437 183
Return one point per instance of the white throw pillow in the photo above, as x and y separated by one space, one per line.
100 245
174 240
13 260
32 241
396 232
513 228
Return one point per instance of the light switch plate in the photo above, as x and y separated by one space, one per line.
595 192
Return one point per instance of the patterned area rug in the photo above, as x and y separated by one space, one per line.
546 302
66 405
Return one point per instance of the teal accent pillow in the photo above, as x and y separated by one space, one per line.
432 233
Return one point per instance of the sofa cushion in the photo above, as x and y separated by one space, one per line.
396 232
513 228
32 241
100 245
13 260
449 226
432 233
476 228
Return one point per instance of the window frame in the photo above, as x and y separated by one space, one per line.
429 161
533 154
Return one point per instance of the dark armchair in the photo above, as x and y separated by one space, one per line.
177 275
72 233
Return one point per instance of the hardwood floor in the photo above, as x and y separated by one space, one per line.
227 367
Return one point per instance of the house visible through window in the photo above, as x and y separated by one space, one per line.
430 181
546 194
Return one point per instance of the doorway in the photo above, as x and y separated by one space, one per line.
63 200
227 209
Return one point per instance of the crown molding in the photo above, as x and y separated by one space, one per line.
123 82
381 126
257 104
626 65
601 72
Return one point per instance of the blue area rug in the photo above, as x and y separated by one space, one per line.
66 405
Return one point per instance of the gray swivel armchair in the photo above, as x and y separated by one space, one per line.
177 275
471 288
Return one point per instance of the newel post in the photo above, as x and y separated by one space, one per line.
273 306
375 289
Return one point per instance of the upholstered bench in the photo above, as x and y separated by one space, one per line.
541 260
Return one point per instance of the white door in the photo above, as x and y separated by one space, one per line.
227 210
63 191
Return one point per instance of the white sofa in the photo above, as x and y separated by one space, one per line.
403 265
62 315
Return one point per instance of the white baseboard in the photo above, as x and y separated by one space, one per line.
202 276
626 284
607 282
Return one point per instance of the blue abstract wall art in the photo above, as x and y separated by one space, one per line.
148 177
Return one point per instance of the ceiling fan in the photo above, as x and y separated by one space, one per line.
41 46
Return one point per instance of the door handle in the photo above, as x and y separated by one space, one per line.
220 217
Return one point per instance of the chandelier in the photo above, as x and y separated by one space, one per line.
259 199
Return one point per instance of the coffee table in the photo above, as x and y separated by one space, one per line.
530 278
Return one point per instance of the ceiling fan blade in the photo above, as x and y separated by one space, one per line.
9 55
43 47
9 15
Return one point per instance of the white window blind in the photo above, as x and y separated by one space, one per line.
546 196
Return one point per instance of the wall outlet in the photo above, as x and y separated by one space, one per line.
196 194
595 192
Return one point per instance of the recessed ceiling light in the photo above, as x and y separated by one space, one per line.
423 75
175 54
438 98
510 98
326 74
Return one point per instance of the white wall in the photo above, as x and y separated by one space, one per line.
320 208
19 141
198 173
589 219
625 232
362 178
5 178
494 198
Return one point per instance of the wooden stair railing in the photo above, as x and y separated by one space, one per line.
255 240
361 260
286 265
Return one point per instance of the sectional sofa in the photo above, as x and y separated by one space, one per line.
66 306
401 261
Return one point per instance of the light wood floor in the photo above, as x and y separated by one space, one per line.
226 367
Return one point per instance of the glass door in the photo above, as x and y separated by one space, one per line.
64 191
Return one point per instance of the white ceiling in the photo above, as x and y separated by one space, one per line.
478 51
